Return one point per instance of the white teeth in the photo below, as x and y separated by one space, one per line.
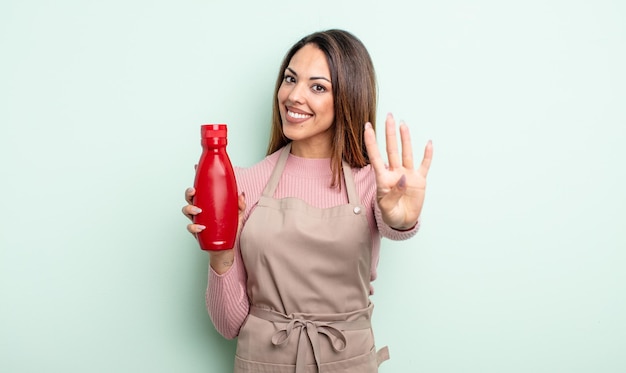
298 115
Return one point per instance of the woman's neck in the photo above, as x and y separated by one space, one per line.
309 150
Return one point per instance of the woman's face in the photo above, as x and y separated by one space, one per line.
306 105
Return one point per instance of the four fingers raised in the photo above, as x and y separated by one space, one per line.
394 158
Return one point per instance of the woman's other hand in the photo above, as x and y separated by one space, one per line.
400 188
190 211
221 260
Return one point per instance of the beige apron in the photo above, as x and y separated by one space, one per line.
308 284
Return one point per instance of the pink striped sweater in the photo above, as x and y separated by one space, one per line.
304 178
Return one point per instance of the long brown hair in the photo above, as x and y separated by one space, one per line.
354 95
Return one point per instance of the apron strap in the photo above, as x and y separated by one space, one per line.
382 355
270 187
353 198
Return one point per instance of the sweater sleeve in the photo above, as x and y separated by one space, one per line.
226 298
390 233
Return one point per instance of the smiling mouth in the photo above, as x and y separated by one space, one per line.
298 115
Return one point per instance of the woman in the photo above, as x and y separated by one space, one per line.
295 289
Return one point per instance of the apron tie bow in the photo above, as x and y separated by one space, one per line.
310 330
309 333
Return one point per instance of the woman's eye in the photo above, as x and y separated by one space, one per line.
318 88
289 79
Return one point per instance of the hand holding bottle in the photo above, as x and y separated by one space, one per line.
222 260
190 211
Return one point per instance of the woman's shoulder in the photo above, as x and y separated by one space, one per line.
266 163
256 175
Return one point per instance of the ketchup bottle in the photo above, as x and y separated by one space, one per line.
216 191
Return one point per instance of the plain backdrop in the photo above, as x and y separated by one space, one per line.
520 265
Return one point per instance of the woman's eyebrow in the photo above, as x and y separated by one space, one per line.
311 78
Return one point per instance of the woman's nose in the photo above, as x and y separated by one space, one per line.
296 95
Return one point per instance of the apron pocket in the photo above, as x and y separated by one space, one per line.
246 366
367 363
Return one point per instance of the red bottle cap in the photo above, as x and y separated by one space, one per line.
213 130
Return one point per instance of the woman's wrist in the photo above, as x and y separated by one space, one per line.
221 261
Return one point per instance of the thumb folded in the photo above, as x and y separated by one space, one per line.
394 195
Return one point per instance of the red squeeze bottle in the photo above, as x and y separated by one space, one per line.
216 191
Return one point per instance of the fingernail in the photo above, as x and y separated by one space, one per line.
368 125
188 190
201 227
196 210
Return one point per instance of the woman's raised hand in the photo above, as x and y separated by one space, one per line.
400 188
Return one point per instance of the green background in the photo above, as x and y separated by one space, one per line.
520 265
